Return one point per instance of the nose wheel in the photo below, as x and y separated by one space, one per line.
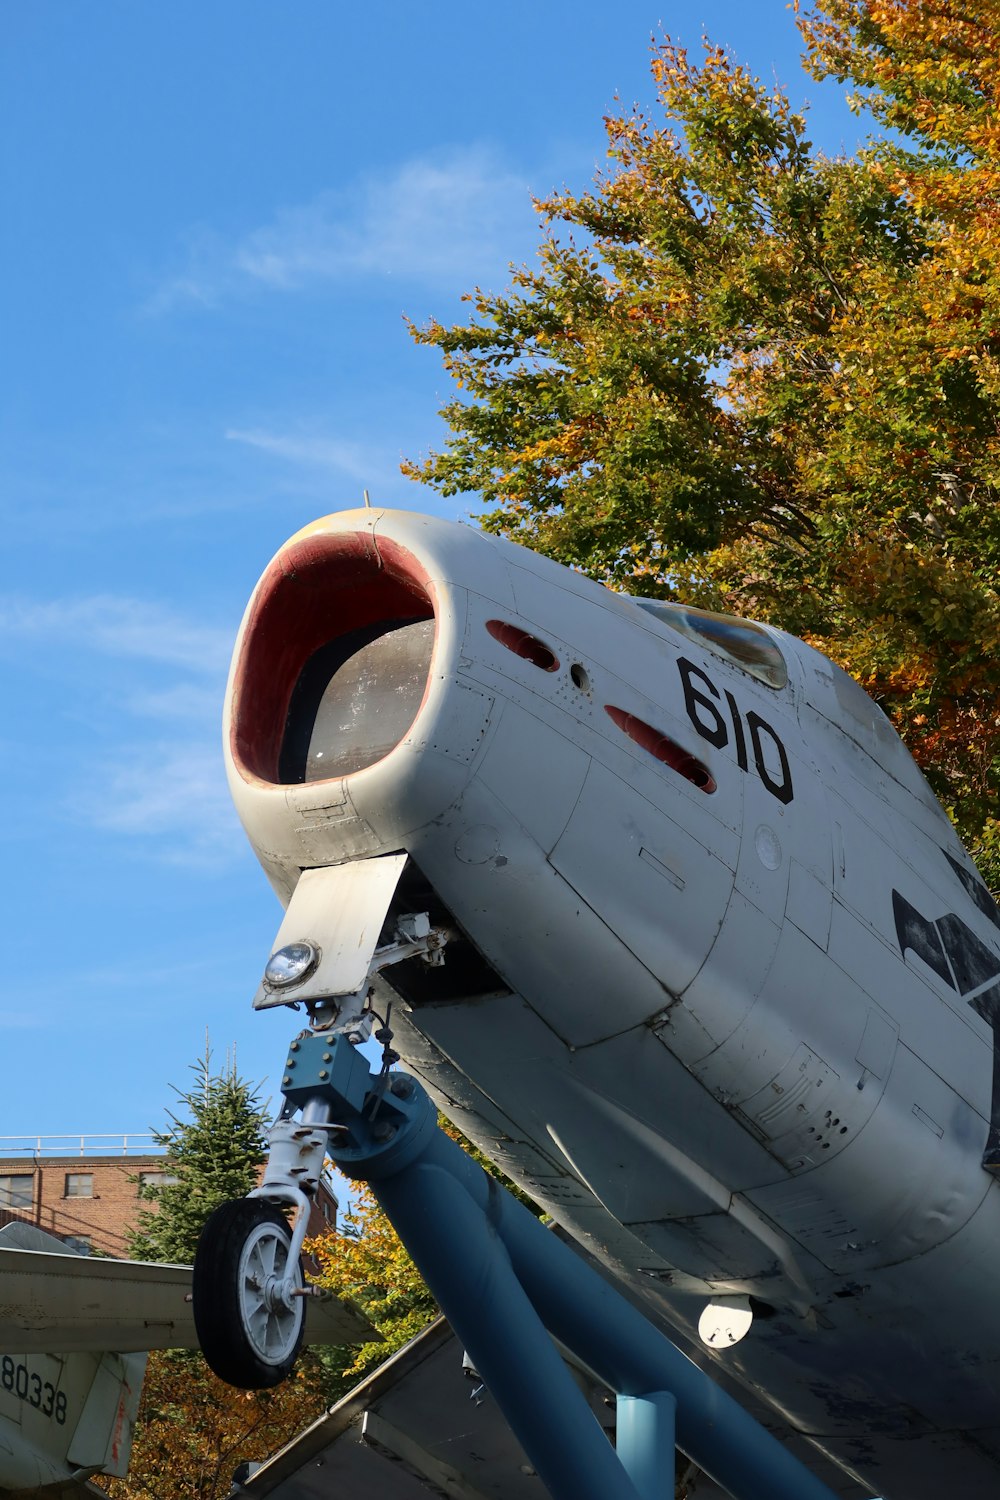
248 1319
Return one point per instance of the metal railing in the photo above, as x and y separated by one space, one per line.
136 1143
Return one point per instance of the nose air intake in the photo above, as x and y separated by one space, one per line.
335 660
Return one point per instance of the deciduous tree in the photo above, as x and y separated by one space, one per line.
194 1430
756 377
364 1261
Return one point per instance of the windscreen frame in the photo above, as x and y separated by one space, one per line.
762 657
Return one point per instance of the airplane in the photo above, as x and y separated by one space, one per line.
73 1342
677 934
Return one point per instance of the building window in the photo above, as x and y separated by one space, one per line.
155 1180
16 1192
79 1185
79 1242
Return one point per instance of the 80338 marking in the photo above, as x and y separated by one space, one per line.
28 1385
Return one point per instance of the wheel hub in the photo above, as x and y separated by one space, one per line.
270 1312
246 1279
279 1294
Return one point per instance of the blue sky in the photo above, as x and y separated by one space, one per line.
214 219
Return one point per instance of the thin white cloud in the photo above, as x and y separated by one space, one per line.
451 219
314 452
431 220
148 766
118 626
172 796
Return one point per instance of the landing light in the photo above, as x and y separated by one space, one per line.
725 1321
290 965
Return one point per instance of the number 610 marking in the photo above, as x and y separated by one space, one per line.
708 721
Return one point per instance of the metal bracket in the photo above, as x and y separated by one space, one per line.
415 938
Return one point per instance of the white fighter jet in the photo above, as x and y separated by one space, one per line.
720 984
67 1415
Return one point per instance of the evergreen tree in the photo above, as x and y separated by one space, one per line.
215 1155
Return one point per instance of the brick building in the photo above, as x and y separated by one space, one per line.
85 1189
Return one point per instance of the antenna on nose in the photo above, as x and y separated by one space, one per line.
368 504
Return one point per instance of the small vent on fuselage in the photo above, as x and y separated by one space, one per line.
529 647
663 748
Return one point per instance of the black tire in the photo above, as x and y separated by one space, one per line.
247 1342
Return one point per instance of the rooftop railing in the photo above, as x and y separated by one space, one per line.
137 1143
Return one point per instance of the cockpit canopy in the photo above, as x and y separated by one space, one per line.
739 642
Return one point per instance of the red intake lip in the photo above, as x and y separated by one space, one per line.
318 589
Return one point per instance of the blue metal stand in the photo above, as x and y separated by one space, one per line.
508 1287
645 1441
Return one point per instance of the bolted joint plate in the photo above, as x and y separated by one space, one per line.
386 1121
328 1068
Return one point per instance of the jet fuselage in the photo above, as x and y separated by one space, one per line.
722 990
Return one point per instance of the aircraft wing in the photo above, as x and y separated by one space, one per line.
72 1303
418 1427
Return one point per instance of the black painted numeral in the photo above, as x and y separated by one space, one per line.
28 1386
781 789
773 769
698 706
739 738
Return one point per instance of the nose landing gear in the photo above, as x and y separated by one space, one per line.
249 1307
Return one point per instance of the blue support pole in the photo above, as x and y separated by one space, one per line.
584 1313
645 1443
467 1268
502 1280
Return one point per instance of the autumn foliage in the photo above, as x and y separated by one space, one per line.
763 379
364 1261
194 1430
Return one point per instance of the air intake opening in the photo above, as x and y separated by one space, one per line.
355 699
335 660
